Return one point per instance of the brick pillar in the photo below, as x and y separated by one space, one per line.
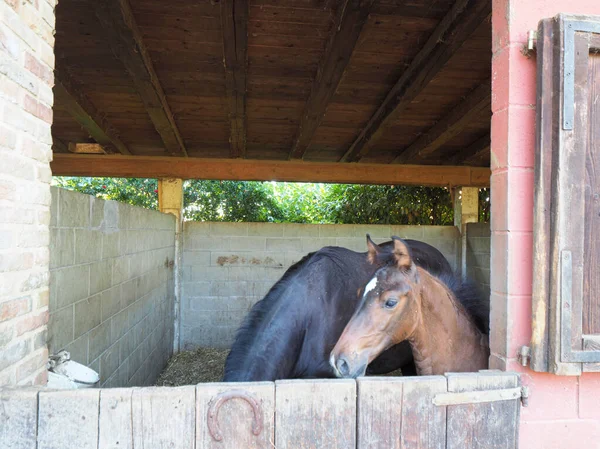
26 80
558 414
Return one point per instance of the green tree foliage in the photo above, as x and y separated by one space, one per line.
287 202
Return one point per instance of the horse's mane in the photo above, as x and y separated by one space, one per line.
247 332
466 292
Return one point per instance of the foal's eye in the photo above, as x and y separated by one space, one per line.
391 303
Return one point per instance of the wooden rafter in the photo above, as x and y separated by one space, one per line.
71 97
234 22
58 146
351 16
460 22
245 170
448 126
126 42
471 152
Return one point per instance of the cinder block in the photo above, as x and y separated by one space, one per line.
291 257
478 230
18 416
212 273
407 232
79 349
100 276
479 245
128 293
100 338
195 228
333 230
73 209
62 247
311 244
201 242
126 345
70 284
284 244
110 244
265 229
120 270
247 243
88 315
352 243
88 245
300 230
379 231
247 273
119 324
109 362
197 258
60 329
54 193
229 229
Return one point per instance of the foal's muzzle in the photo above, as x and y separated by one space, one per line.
348 368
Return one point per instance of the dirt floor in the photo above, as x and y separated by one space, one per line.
200 366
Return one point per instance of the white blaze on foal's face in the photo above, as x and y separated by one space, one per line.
372 285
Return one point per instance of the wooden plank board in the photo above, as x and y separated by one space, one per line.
471 152
68 419
115 427
126 42
399 413
484 425
234 22
448 126
453 30
234 424
346 29
237 169
18 418
164 417
315 414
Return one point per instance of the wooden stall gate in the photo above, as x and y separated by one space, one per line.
474 410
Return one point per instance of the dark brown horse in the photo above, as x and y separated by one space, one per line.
443 319
292 330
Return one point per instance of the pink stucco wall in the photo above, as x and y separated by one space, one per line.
563 412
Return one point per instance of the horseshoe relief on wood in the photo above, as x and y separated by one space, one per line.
217 402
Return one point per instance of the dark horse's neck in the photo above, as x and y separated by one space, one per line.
446 338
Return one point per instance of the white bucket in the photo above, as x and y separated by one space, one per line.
67 374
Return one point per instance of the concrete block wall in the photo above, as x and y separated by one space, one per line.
478 255
227 267
26 79
111 287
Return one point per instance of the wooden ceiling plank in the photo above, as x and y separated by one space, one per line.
246 170
234 22
125 39
448 126
71 97
349 22
471 152
452 31
86 148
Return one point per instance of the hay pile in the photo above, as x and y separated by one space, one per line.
194 367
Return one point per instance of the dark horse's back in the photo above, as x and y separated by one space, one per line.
291 331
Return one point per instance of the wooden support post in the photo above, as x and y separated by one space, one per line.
466 210
170 201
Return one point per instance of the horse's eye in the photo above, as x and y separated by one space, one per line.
391 303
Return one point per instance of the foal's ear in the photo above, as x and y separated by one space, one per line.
402 254
373 249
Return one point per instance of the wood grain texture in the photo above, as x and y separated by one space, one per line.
235 417
68 419
246 170
347 27
71 97
18 418
462 19
234 22
126 42
399 413
115 427
485 425
86 148
471 152
164 417
448 126
315 414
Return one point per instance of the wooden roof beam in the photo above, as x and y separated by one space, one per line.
70 96
348 24
126 42
471 152
453 30
246 170
448 126
234 22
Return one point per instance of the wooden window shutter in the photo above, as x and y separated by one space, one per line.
566 290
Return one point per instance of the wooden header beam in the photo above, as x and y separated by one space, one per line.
351 16
126 42
234 22
258 170
454 29
448 126
71 97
